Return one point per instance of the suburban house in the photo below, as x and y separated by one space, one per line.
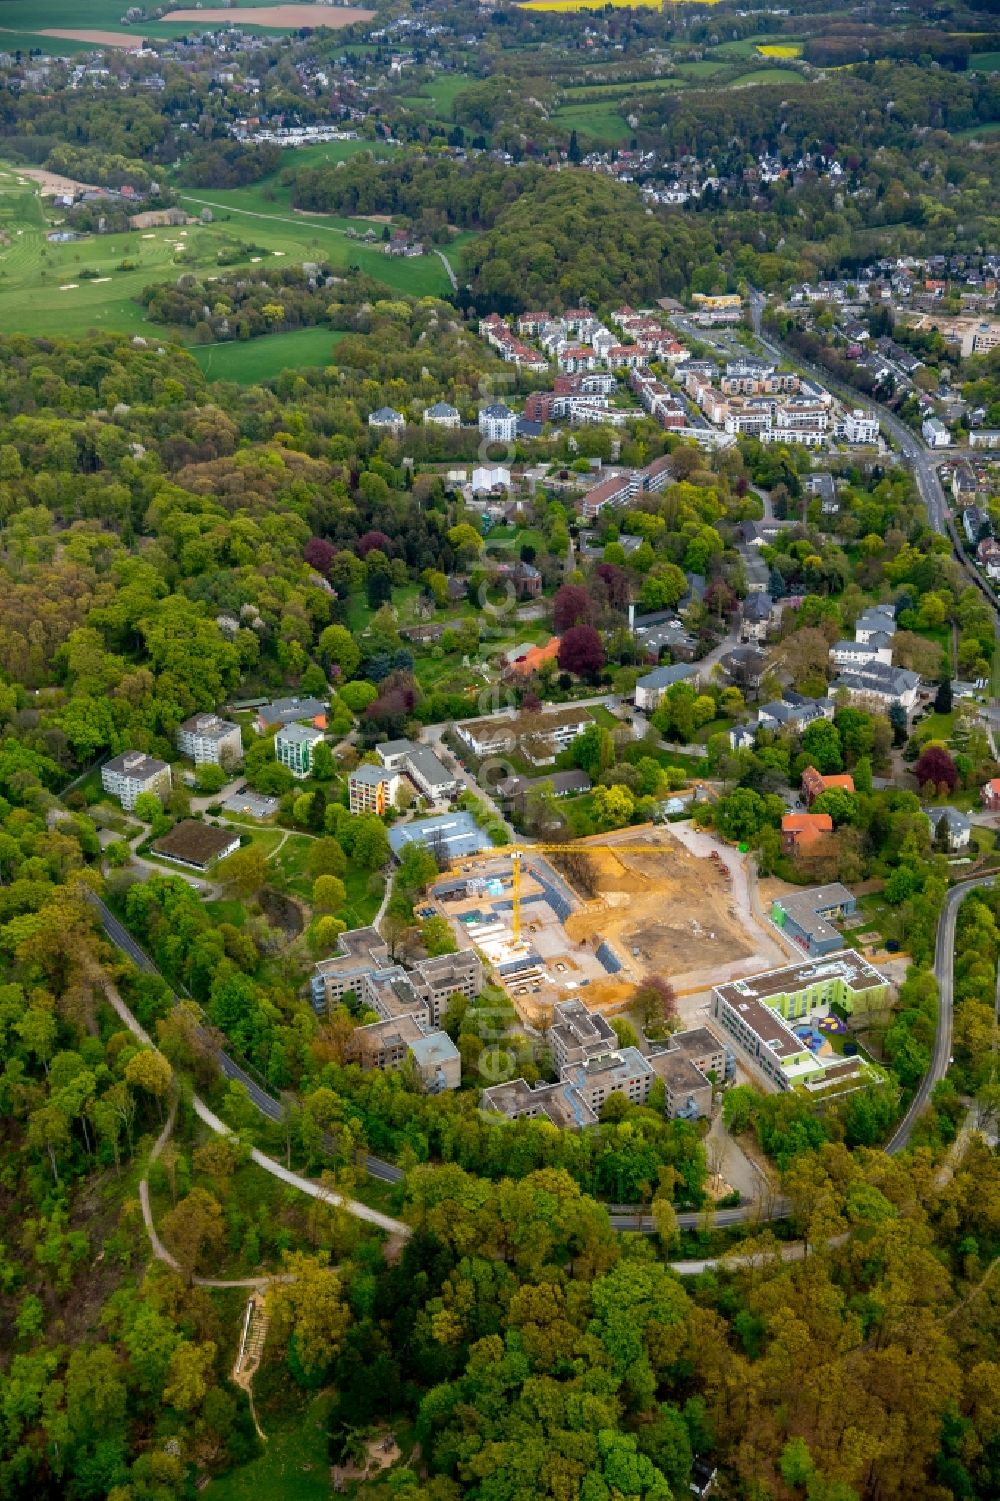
989 795
132 773
372 789
561 784
802 832
814 783
794 711
950 827
757 615
210 741
294 745
442 415
387 419
649 690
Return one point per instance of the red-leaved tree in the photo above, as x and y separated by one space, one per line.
935 765
571 606
581 651
372 540
319 554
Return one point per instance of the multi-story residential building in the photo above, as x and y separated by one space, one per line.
577 1034
538 735
429 775
936 435
880 685
649 690
497 423
442 415
877 620
294 745
950 826
388 420
372 789
210 741
132 773
858 427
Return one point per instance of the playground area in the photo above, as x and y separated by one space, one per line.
818 1035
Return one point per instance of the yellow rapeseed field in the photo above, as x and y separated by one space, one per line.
780 49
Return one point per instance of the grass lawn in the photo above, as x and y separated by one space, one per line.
598 122
440 91
714 727
785 76
295 1462
287 868
253 360
362 904
984 62
48 288
975 131
937 726
704 69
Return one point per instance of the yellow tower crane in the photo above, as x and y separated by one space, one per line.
518 852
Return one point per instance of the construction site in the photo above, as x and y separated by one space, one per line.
592 918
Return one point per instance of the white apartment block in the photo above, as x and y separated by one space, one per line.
293 747
133 772
210 741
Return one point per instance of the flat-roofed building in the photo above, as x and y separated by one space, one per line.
372 789
196 844
359 952
132 773
559 1103
624 1072
210 741
553 729
437 980
689 1093
807 916
758 1013
577 1034
294 745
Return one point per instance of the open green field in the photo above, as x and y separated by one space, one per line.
978 132
255 360
747 46
786 76
985 62
334 151
43 288
439 93
23 24
599 122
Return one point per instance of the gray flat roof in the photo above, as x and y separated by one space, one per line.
458 834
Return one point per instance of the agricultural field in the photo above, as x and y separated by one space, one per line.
780 50
749 46
985 62
94 282
89 23
249 362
